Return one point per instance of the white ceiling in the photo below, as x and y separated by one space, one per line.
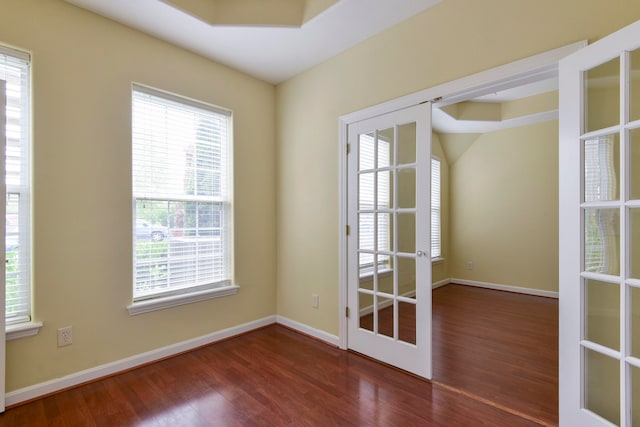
273 54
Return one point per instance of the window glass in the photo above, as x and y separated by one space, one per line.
180 187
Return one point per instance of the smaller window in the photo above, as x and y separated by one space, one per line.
181 195
436 246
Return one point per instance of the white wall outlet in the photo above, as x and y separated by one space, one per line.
315 301
65 336
469 265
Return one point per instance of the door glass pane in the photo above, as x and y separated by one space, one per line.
385 190
602 96
385 316
602 385
407 233
366 151
406 322
385 275
634 164
366 226
634 243
602 312
602 168
365 191
635 86
635 396
602 241
385 232
635 322
385 148
407 144
366 271
407 188
406 276
365 305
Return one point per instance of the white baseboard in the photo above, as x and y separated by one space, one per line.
71 380
334 340
440 283
508 288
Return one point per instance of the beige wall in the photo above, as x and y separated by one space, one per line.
442 44
83 67
504 208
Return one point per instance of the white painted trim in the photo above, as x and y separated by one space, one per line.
308 330
91 374
440 283
507 288
146 306
342 236
524 71
22 330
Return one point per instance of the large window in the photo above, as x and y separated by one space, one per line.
436 246
15 70
181 195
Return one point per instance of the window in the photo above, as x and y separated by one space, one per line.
181 196
436 248
15 70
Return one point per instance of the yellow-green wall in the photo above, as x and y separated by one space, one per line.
442 44
83 67
504 208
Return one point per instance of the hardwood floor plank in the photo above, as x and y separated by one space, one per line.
498 345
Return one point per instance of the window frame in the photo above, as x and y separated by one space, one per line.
143 303
22 325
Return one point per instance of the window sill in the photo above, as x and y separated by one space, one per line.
146 306
22 330
437 260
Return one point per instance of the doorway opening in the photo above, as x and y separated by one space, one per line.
517 97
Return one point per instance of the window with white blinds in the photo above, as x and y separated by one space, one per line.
374 195
436 247
181 185
15 70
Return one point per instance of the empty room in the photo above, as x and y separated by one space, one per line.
207 201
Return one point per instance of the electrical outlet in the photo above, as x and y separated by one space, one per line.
469 265
65 336
315 301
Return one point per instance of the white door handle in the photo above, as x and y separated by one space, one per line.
421 253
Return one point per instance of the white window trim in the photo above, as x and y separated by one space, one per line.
146 306
22 330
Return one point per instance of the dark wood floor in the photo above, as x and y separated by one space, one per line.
275 377
498 346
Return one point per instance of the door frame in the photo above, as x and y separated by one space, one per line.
521 72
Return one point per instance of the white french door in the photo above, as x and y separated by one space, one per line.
3 188
389 263
600 233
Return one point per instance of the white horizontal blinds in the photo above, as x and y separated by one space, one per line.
181 191
600 184
436 249
374 196
15 70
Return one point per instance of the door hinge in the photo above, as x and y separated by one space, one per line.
347 312
348 149
348 230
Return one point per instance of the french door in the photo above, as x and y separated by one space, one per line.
600 233
389 264
3 188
